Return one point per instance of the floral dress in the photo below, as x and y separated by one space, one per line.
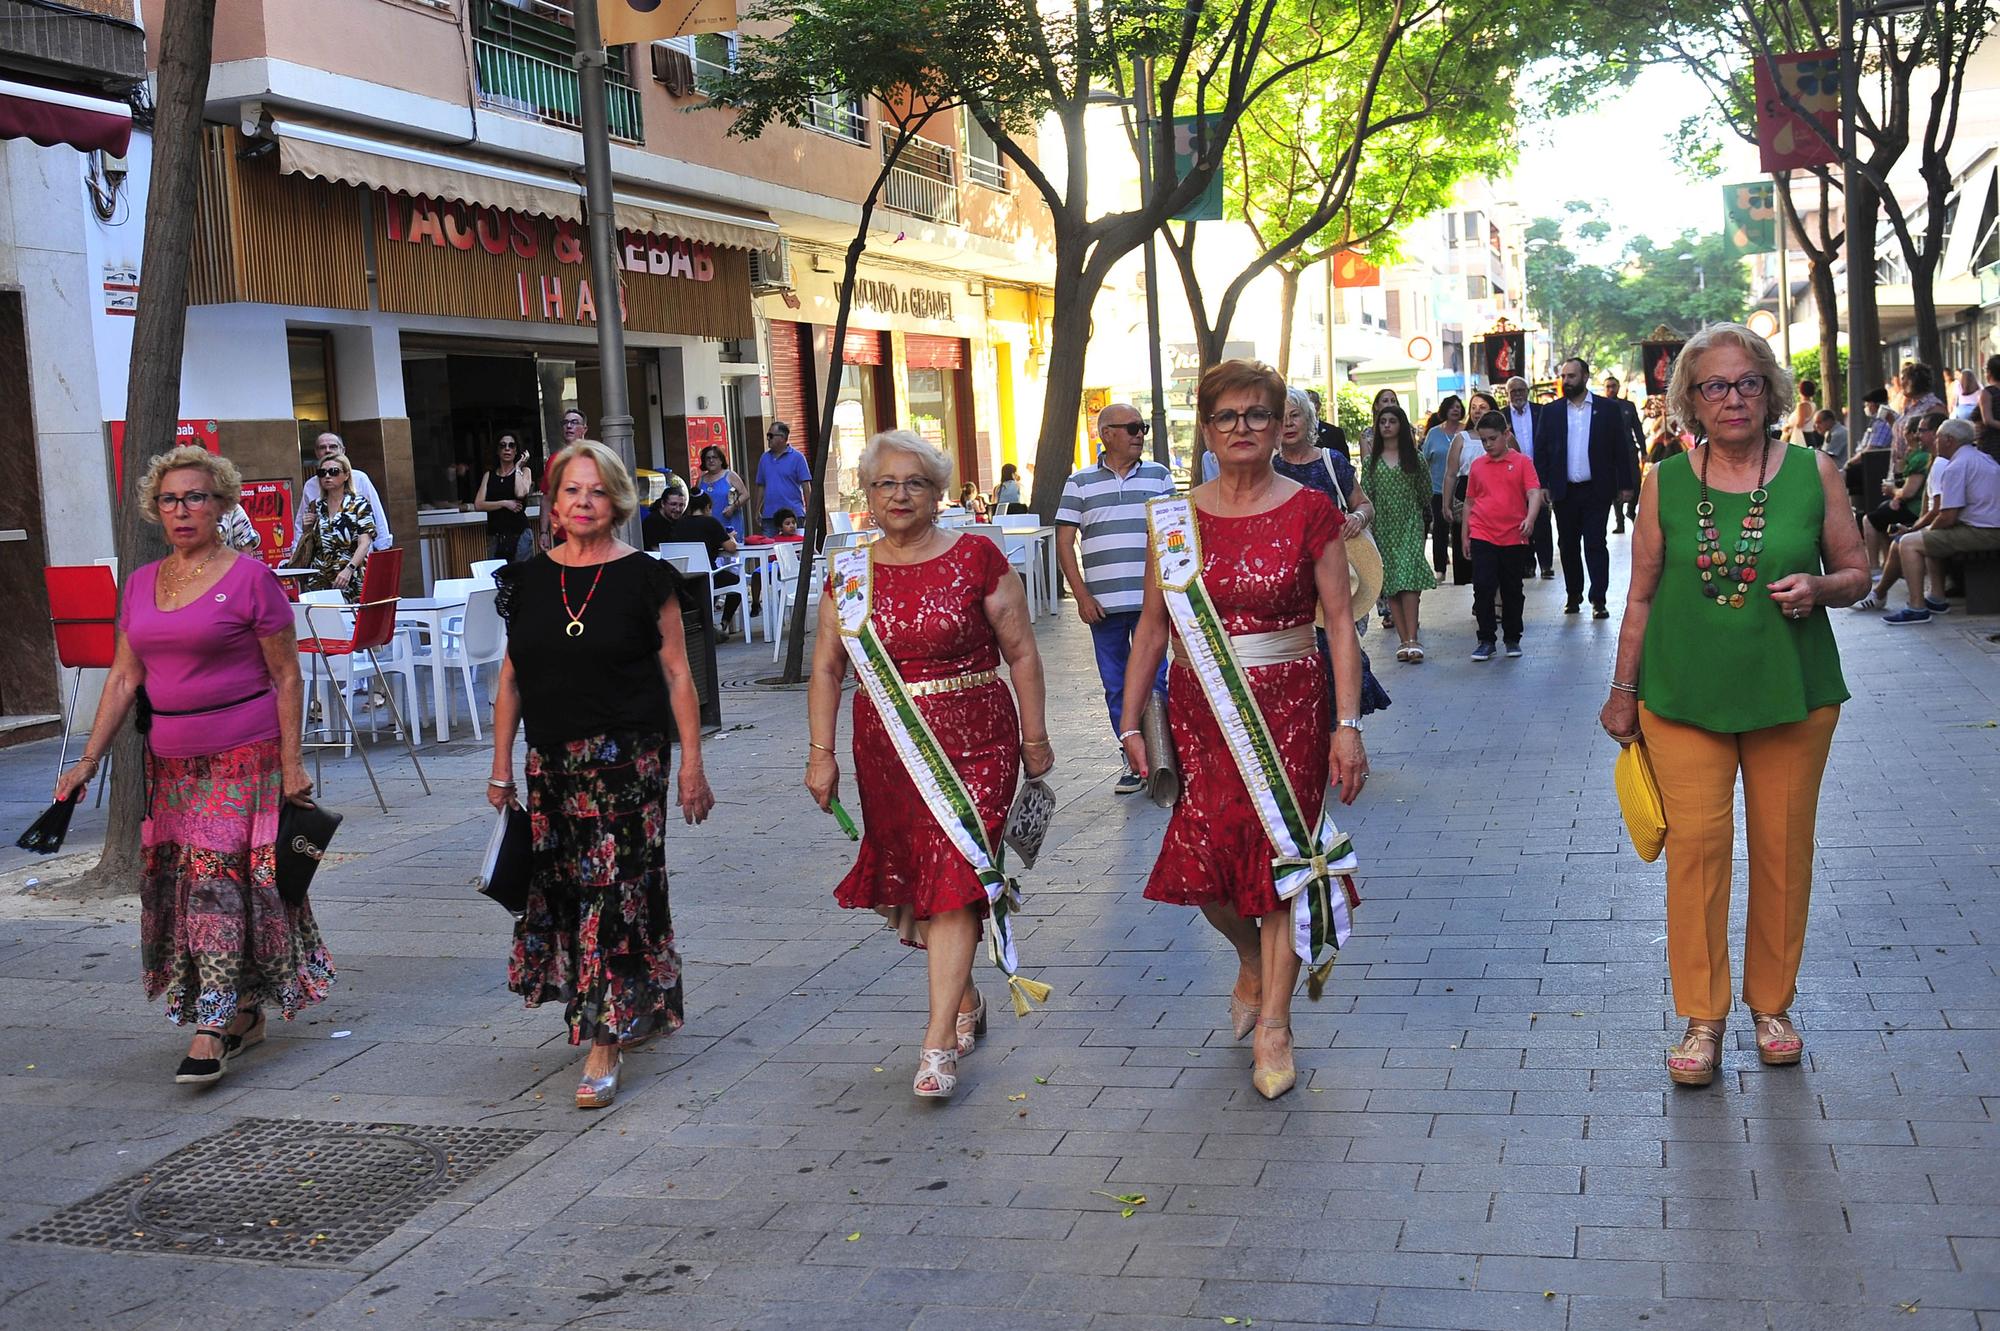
932 620
340 532
1258 571
1402 498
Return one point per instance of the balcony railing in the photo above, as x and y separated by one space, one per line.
980 171
546 91
831 113
924 180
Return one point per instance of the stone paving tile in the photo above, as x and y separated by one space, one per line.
1482 1138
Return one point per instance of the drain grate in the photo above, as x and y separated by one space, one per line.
273 1190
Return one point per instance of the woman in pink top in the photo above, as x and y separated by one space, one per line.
208 634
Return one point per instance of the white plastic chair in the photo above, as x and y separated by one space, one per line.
482 571
838 521
1017 522
1020 552
786 591
330 617
471 642
689 557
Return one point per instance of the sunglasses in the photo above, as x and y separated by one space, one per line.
330 474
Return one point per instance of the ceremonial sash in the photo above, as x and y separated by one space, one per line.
1309 858
937 781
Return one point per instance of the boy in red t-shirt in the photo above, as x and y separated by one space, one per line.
1502 497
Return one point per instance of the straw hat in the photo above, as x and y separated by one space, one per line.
1364 574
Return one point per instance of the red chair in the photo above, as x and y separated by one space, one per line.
83 608
374 626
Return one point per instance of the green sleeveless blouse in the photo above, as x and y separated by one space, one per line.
1731 670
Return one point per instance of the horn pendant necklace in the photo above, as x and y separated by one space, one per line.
1720 568
575 626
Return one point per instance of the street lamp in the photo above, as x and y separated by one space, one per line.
1700 273
1863 343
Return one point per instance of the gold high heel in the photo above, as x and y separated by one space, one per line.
1242 1017
1273 1082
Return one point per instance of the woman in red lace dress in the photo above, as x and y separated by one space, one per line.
1271 555
947 607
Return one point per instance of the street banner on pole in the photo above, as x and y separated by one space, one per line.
1351 270
1785 139
625 21
1750 217
1207 207
1657 358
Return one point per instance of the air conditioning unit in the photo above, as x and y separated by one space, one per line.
771 270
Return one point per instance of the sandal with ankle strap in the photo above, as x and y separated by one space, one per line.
1687 1063
971 1025
932 1070
246 1039
1778 1042
202 1071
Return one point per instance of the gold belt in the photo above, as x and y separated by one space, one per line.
926 688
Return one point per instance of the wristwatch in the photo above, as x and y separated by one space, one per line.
1352 723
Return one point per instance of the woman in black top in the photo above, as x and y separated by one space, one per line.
503 497
596 663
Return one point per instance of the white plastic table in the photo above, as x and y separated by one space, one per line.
430 612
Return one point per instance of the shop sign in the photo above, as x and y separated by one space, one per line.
881 300
916 302
121 288
703 431
268 505
205 433
445 256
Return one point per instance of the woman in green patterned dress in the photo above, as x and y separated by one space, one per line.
1402 503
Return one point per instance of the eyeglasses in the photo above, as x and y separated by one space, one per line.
192 499
1137 429
1748 387
1255 420
885 487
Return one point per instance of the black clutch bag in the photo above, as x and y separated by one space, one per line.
45 835
303 834
509 861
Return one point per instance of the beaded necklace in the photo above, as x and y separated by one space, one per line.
1739 565
575 626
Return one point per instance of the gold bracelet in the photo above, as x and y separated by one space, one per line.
1036 744
821 747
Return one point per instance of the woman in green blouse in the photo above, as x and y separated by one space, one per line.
1726 663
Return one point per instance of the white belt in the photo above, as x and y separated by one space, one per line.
1266 649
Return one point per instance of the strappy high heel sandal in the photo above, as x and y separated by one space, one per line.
248 1038
1778 1042
203 1071
932 1071
1693 1061
1242 1017
971 1025
599 1092
1274 1081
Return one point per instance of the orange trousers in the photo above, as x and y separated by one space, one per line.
1696 769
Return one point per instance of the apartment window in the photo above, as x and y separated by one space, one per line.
525 53
838 114
712 54
983 163
924 181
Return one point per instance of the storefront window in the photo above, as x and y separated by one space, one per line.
312 387
934 408
461 397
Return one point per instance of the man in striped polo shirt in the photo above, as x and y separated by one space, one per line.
1105 506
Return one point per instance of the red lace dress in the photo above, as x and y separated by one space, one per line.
932 619
1258 571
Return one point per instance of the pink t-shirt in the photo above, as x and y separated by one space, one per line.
205 655
1498 490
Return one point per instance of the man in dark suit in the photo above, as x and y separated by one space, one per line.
1626 508
1585 459
1521 415
1331 436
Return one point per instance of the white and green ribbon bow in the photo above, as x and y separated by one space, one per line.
1309 857
937 781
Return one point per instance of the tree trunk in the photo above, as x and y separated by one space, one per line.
1923 301
153 392
1826 301
1288 301
1864 322
1069 339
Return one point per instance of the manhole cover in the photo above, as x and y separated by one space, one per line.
274 1190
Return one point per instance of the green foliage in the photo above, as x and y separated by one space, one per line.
1603 311
1351 405
1805 365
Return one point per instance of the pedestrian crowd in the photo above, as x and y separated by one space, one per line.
1226 622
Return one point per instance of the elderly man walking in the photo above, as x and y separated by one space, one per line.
1521 419
1103 511
326 446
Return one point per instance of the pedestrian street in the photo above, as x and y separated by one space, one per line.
1482 1137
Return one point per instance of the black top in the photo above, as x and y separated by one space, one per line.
1334 440
660 530
606 680
502 521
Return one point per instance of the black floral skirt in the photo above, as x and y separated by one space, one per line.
597 933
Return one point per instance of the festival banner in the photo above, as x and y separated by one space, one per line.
1750 217
204 433
1506 355
1351 270
622 21
1786 140
1658 358
1207 207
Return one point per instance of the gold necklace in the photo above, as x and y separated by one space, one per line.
178 583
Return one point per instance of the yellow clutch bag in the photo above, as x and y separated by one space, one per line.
1639 800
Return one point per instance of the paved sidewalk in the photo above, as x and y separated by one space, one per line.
1484 1137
